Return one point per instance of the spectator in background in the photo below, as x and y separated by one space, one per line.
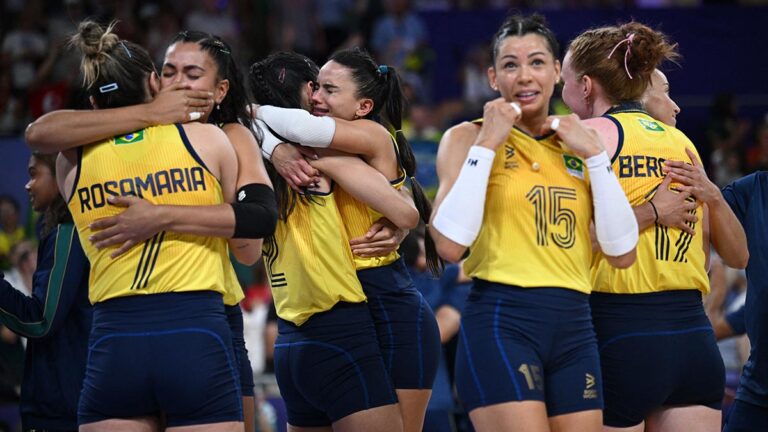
55 315
475 87
23 49
11 231
215 17
23 257
11 108
336 21
726 133
399 39
446 296
398 34
162 26
757 155
294 22
255 308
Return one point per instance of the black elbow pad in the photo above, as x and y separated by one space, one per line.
255 211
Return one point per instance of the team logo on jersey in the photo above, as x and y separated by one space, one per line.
131 138
590 392
509 154
574 166
650 125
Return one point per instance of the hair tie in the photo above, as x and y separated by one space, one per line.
219 46
127 51
108 88
628 41
383 69
413 179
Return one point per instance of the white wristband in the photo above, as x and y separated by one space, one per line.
298 125
268 142
615 223
460 215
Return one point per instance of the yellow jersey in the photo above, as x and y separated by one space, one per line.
538 207
309 262
358 218
233 293
159 165
667 258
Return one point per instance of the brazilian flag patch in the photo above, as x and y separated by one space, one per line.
131 138
650 125
574 166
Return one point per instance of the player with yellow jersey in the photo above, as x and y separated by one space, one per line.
352 91
158 311
519 191
661 367
324 321
199 71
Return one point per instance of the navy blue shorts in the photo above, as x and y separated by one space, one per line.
405 324
520 344
169 353
235 319
746 417
331 366
656 349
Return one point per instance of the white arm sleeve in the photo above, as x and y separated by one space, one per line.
269 141
615 223
461 213
298 125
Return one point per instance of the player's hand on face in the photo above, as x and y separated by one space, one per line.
382 238
577 136
693 178
136 223
289 161
675 209
177 103
499 117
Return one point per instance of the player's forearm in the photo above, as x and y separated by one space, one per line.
66 129
246 251
645 216
212 221
370 187
728 236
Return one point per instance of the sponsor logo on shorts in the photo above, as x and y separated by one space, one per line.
590 392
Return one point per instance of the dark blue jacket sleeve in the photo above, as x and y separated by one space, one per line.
737 195
735 319
62 272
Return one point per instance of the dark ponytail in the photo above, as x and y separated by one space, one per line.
381 83
278 80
